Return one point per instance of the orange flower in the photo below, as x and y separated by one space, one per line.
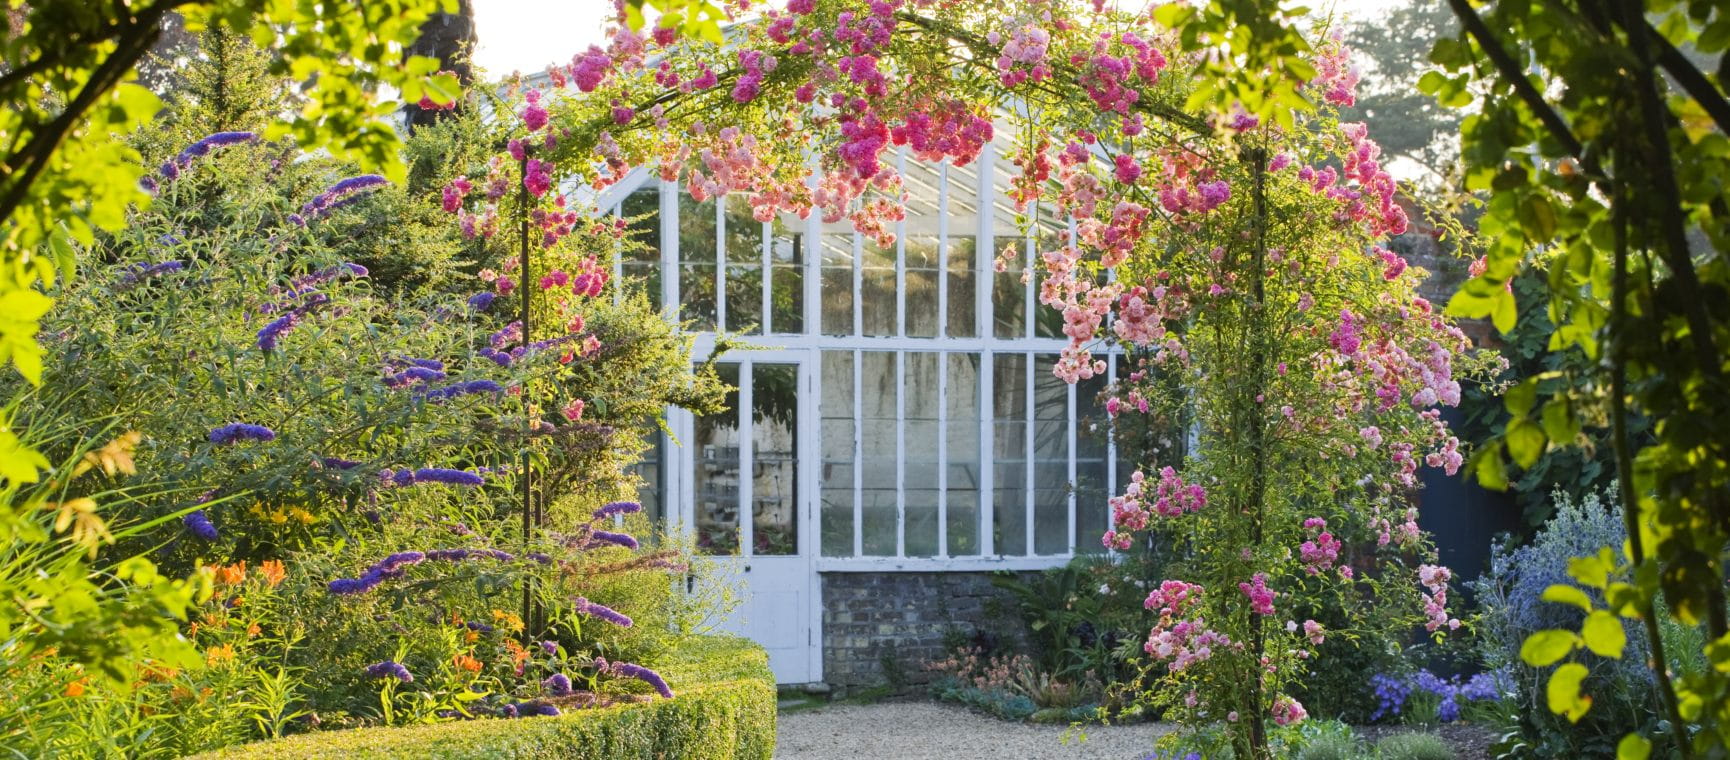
272 571
231 574
219 654
159 673
253 630
467 663
470 637
74 689
518 654
508 621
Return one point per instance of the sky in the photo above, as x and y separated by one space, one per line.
526 35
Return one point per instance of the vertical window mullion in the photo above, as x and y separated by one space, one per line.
669 199
984 246
1030 273
813 241
943 256
747 525
858 284
721 263
858 449
1111 445
901 259
767 281
987 478
1031 417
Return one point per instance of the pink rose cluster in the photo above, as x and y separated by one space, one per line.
948 130
1022 57
1434 579
1319 553
1171 498
1177 637
1260 596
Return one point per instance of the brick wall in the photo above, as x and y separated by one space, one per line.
902 616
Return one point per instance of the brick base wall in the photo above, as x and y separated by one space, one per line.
901 617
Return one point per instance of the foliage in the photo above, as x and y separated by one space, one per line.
1516 603
1409 124
1601 144
1013 687
67 176
1080 617
727 712
1414 747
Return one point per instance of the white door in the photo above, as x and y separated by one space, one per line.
748 499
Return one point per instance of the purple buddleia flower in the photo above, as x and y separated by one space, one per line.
172 168
643 674
495 356
602 611
389 669
540 557
461 389
511 333
609 537
509 711
235 432
199 523
482 301
340 194
550 647
405 362
449 476
337 463
478 627
326 275
139 272
558 685
616 508
411 376
272 333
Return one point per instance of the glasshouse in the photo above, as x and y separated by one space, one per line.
1128 379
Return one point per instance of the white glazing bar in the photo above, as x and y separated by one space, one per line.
858 285
901 258
1073 445
721 264
942 452
1029 269
900 454
858 452
1029 416
669 199
1111 488
984 202
747 525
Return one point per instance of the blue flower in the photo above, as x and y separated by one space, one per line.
603 612
558 684
452 477
200 525
610 537
239 431
645 675
461 389
616 508
340 194
482 301
389 669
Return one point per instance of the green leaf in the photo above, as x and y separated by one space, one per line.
1593 572
1522 397
1505 311
1526 442
1559 422
1603 634
1547 647
1487 463
1633 747
1563 692
1562 593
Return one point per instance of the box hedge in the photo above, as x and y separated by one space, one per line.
723 709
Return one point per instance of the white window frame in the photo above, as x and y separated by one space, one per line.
811 342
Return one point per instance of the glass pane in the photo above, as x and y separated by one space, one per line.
921 276
877 389
1092 489
877 289
648 469
1008 292
787 259
774 459
963 273
1009 453
640 263
716 481
1047 321
1050 458
962 440
836 408
837 267
744 252
697 235
919 447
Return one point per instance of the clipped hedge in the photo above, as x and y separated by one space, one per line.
723 709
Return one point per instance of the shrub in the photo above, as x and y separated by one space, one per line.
1414 747
726 712
1330 747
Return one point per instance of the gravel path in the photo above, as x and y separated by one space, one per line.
931 731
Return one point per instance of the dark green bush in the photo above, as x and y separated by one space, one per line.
723 709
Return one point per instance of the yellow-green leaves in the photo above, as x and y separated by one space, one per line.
700 19
1565 594
21 310
1603 634
1563 692
1547 647
1634 747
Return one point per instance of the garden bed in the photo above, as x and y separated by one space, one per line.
724 709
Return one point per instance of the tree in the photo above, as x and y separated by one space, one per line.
1603 147
448 38
1409 124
